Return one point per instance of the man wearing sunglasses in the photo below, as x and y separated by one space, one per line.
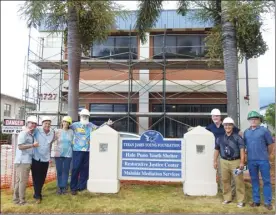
230 147
217 128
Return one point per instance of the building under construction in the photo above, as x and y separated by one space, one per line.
163 85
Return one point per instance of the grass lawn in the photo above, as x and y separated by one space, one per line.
131 199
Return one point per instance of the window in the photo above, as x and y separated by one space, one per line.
116 47
179 46
7 110
175 129
120 125
81 107
52 41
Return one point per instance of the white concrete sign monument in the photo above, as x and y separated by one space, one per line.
152 158
200 175
103 163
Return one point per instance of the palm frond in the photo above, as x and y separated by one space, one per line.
183 7
33 12
147 15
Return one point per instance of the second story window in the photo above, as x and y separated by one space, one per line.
7 110
116 47
179 46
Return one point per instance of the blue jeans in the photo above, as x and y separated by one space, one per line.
63 167
80 170
264 167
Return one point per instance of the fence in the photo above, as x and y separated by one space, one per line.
7 167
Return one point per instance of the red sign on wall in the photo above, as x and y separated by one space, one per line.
13 122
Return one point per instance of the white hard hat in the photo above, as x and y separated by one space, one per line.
215 112
46 118
84 112
228 120
32 119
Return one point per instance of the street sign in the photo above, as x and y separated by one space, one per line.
12 126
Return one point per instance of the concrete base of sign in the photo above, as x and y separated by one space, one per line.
103 161
200 175
103 186
194 188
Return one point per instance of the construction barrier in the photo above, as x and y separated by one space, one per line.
7 167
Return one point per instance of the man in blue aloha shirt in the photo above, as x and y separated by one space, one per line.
81 146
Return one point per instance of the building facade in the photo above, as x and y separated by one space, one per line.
13 108
164 84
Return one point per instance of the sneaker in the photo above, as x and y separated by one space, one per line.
268 207
226 202
38 201
74 192
64 191
254 204
22 203
15 202
59 191
240 205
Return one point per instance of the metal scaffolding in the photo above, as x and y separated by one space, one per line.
126 64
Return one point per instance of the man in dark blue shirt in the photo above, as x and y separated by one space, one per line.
230 147
216 127
259 146
218 130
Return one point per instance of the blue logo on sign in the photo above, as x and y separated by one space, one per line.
151 136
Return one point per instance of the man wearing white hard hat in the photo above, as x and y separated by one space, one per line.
81 140
23 160
216 127
41 157
231 147
218 130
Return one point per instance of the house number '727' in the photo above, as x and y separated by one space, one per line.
48 96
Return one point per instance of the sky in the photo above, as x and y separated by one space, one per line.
14 47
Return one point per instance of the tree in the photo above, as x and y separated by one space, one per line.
83 22
270 115
236 34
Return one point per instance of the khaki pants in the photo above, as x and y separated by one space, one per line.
227 168
21 181
233 187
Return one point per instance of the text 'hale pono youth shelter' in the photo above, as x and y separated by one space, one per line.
163 85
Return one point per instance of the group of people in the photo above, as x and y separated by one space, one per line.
253 147
234 149
36 146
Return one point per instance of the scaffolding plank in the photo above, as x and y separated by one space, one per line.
137 114
135 64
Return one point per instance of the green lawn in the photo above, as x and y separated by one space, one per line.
131 199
